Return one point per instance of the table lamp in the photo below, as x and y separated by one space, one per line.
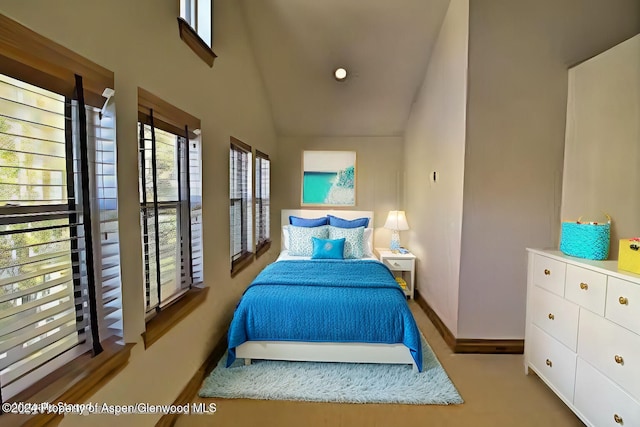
396 221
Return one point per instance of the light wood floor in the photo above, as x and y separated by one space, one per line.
495 389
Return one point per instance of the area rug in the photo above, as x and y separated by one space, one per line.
334 382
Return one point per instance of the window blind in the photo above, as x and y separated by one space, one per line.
240 202
171 213
262 202
102 150
45 308
195 208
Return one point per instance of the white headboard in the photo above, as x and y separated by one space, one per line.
317 213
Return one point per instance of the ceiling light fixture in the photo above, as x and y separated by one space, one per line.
340 74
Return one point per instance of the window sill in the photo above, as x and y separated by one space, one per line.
73 383
197 45
241 263
263 248
169 317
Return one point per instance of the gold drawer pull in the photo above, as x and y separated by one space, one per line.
551 316
549 363
618 419
619 360
547 272
584 286
623 301
396 264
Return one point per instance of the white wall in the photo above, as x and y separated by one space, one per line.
139 41
435 141
602 147
519 53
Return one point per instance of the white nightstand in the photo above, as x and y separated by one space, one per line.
402 265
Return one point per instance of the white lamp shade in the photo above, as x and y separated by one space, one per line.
396 220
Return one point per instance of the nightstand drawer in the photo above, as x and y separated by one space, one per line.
399 264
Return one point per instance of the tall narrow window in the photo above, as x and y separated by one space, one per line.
59 250
170 210
240 205
198 14
195 27
262 202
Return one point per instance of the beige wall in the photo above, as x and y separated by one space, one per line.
434 141
379 175
139 41
519 53
602 147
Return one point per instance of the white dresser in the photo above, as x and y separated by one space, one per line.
583 335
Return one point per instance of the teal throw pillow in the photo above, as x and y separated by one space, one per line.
328 248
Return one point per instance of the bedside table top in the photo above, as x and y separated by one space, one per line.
387 253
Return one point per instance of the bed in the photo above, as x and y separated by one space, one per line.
329 310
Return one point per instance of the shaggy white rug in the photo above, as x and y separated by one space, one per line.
334 382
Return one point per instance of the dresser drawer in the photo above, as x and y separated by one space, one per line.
549 274
586 288
623 303
553 362
601 401
556 316
613 350
399 264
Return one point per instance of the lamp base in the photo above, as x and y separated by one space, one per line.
394 245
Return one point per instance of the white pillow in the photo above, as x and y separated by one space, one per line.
368 242
285 237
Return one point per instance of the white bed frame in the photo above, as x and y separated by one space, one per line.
325 351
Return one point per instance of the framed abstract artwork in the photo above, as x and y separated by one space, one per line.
328 178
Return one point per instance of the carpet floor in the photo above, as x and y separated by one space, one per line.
333 382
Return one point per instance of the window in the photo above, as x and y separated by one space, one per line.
170 209
195 25
59 249
262 202
198 15
240 205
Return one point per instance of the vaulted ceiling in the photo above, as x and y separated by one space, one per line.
384 44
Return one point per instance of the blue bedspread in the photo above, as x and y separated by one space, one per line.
325 301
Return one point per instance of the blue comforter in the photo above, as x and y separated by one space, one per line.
325 301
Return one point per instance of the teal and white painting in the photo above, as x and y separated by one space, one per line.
329 178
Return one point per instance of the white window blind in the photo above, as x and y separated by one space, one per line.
240 202
262 202
171 214
195 205
44 285
101 134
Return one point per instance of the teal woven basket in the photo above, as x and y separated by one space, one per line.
586 240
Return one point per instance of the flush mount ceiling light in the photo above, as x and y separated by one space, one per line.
340 74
